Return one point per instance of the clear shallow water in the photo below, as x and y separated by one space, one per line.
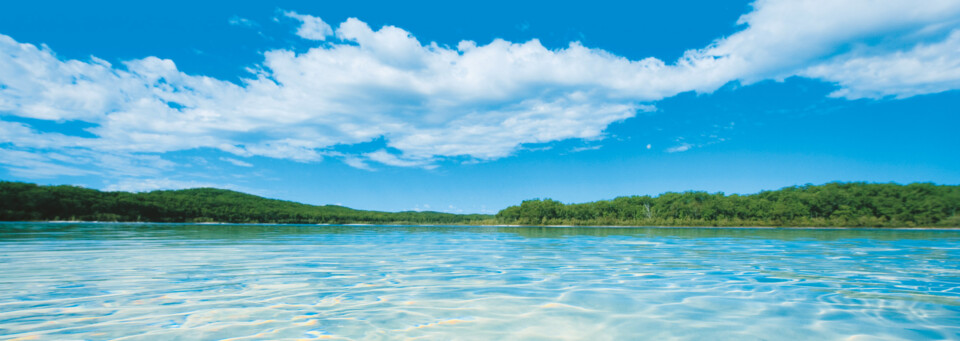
170 281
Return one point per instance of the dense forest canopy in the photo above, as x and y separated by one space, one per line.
832 204
23 202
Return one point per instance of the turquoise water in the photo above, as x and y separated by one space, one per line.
181 281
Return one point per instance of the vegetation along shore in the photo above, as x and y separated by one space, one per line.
829 205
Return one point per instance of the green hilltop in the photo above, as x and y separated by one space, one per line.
836 204
29 202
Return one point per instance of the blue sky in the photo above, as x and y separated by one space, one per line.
473 107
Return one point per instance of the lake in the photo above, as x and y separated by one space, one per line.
186 281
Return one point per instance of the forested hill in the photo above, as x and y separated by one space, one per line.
832 204
29 202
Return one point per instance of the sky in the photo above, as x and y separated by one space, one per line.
472 107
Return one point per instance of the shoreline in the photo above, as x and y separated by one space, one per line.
946 228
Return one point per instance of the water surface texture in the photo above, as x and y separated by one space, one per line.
180 281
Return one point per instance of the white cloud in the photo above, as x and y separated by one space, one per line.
679 148
585 148
923 69
236 162
37 166
785 38
430 102
240 21
311 27
357 162
384 157
148 184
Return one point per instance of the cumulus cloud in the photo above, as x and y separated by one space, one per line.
782 38
925 68
474 101
311 27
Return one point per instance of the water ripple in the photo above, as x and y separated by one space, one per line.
254 282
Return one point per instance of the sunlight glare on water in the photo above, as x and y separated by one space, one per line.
180 281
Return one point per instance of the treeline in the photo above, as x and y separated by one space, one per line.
833 204
30 202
